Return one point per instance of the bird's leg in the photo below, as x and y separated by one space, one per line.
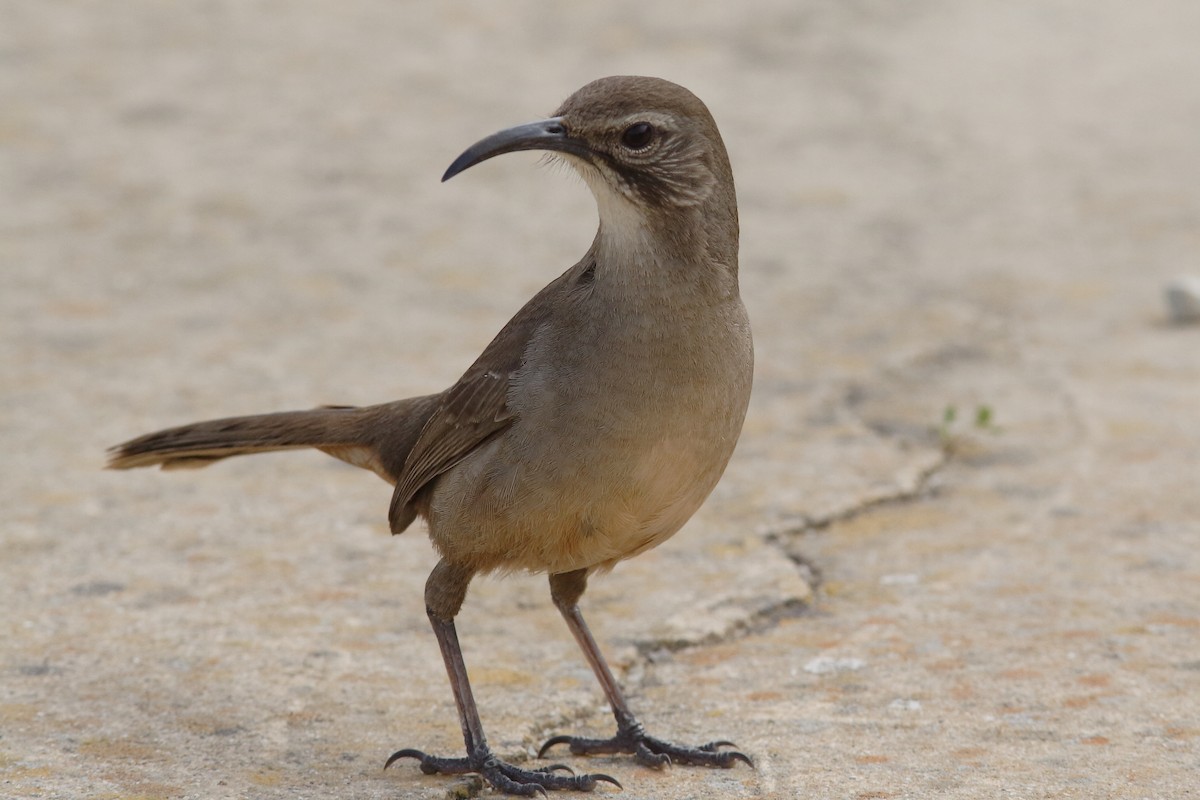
444 594
566 588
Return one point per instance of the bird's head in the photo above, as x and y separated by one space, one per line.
644 144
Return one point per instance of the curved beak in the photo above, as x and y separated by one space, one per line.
546 134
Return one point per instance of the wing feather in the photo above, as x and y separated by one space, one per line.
476 407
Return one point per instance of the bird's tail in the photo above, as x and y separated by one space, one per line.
377 438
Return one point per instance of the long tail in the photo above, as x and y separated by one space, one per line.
377 438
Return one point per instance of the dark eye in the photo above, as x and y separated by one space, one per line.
638 135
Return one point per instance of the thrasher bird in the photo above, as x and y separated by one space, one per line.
589 430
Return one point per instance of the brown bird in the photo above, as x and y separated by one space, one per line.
594 424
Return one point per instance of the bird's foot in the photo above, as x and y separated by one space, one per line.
505 777
649 751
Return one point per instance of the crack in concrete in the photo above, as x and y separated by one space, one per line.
763 619
920 487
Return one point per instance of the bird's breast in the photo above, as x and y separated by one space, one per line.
619 434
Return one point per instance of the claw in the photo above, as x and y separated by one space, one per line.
649 758
399 754
738 755
553 741
711 746
596 776
553 767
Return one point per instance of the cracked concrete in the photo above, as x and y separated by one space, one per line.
215 208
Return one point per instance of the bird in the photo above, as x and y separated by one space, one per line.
588 431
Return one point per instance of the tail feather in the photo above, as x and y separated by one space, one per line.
201 443
377 438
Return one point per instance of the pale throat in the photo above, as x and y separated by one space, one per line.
645 264
624 230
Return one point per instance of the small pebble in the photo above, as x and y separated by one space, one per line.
1183 299
900 579
823 665
905 704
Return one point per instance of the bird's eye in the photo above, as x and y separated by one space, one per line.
638 135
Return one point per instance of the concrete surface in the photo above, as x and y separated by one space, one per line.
211 208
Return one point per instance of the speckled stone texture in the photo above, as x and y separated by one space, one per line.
955 555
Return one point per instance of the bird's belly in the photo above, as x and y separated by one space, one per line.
580 508
658 493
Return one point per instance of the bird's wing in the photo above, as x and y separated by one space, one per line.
472 410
